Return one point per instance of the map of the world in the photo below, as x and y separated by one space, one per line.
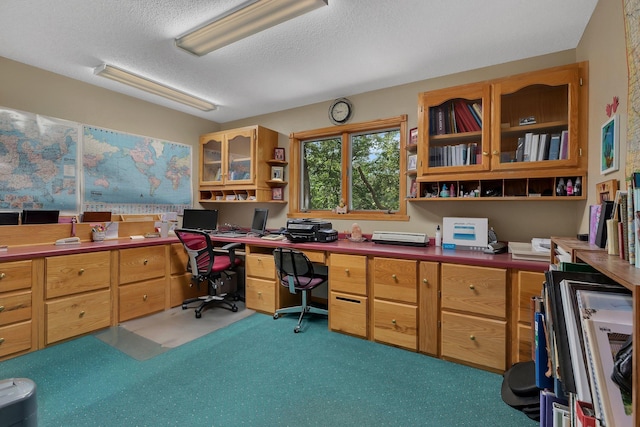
48 163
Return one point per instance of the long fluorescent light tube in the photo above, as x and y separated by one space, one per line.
143 83
243 22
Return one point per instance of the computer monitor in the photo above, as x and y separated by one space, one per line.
200 219
40 216
259 223
9 218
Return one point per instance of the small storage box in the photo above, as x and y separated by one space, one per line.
18 404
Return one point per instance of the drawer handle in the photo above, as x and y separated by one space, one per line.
348 300
472 287
425 281
144 297
82 313
496 152
346 270
81 271
485 153
259 294
1 308
2 275
145 261
393 321
394 277
472 337
1 340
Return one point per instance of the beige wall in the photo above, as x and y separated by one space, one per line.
30 89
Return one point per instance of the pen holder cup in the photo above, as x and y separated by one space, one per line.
98 236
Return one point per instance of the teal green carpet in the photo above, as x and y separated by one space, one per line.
257 372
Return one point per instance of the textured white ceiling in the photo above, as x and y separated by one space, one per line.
346 48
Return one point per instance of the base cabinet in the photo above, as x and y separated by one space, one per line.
142 281
141 299
395 309
76 315
474 315
525 285
348 294
181 286
16 301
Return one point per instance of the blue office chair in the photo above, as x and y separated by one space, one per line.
207 265
295 272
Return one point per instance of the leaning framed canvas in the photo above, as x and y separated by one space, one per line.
610 145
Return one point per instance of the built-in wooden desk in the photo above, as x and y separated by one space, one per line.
463 306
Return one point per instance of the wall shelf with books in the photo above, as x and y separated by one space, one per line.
533 132
453 128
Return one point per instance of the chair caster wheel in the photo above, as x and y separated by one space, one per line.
275 316
236 298
234 308
198 315
296 329
184 306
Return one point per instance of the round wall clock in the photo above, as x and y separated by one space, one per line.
340 111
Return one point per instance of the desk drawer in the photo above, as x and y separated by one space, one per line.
15 275
137 264
395 279
480 290
182 289
348 273
260 294
140 299
396 324
261 266
15 338
348 314
15 308
475 340
72 274
77 315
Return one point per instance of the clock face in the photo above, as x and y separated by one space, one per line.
340 111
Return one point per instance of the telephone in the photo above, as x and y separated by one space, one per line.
494 247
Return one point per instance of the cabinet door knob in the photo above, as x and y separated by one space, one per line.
496 152
145 261
81 271
393 321
425 281
3 275
81 313
144 297
1 340
472 337
394 276
485 153
346 270
1 308
472 287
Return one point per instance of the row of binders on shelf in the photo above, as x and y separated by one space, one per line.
454 155
581 321
455 116
534 147
615 225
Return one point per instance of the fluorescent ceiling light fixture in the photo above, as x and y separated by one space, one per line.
247 19
143 83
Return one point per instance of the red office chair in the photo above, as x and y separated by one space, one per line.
208 265
295 272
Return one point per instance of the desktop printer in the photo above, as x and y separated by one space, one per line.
309 230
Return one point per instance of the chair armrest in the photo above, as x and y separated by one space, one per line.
231 248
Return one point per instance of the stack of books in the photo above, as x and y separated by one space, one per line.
537 250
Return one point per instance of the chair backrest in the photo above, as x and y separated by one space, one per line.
295 270
198 246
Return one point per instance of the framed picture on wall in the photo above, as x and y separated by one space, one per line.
610 145
413 136
277 173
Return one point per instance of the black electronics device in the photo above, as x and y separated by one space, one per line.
259 222
9 218
40 216
200 219
309 230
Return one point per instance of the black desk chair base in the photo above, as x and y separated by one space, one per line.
206 301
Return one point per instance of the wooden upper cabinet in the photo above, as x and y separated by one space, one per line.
234 164
535 120
454 130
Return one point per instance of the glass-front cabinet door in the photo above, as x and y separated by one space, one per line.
211 170
240 157
535 121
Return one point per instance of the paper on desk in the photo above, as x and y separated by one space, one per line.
541 245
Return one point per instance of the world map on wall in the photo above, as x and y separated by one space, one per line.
125 168
49 163
38 162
